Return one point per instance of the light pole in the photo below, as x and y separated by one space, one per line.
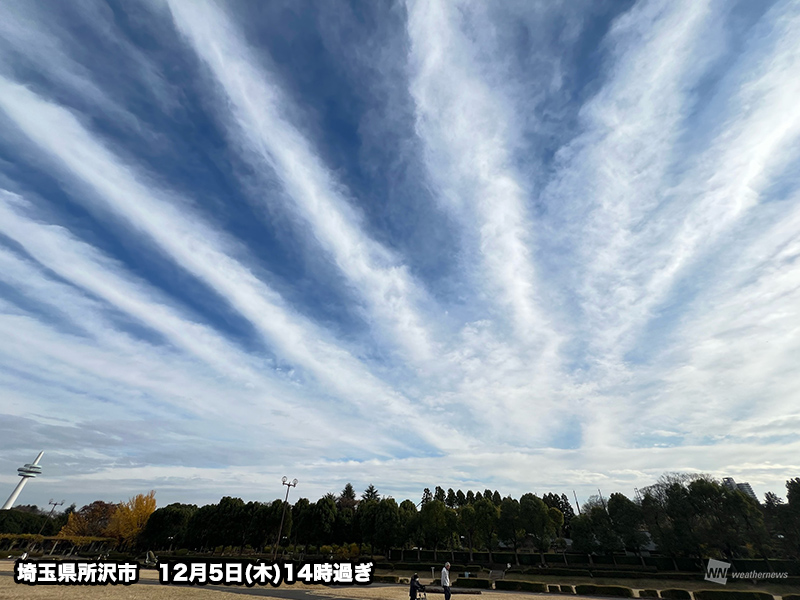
289 485
50 514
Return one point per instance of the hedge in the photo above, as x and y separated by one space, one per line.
662 563
604 590
385 579
418 567
520 586
425 566
731 595
553 589
567 589
647 575
791 597
622 574
624 567
673 594
483 584
648 593
384 566
689 564
559 572
773 564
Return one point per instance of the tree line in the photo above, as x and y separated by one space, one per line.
123 522
683 515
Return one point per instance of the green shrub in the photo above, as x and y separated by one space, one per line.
182 552
627 574
553 589
731 595
474 568
520 586
385 579
416 567
577 559
567 589
559 572
648 593
505 584
604 590
673 594
385 566
791 597
483 584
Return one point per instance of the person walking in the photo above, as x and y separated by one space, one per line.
446 581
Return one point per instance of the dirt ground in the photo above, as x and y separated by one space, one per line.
12 591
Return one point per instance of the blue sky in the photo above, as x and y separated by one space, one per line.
527 246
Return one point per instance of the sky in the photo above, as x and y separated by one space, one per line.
526 246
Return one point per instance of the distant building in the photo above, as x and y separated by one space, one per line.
744 487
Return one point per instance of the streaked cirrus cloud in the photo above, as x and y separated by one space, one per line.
532 247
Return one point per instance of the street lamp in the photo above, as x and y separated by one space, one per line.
289 485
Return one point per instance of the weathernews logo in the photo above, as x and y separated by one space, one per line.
719 572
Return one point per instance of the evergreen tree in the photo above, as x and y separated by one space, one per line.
370 493
509 526
487 515
426 496
347 497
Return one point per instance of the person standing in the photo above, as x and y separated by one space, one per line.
446 581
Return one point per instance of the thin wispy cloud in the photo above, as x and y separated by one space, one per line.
258 110
211 272
198 249
467 132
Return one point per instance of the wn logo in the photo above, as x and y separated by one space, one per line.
717 571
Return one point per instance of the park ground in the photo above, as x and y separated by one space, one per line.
149 589
146 590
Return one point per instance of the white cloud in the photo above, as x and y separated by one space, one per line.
468 133
633 304
258 107
200 250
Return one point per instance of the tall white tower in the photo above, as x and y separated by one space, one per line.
29 471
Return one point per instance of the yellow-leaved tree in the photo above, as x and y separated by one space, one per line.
129 519
91 520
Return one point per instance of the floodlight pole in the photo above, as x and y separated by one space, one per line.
50 514
289 485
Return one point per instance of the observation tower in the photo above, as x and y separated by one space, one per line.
29 471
